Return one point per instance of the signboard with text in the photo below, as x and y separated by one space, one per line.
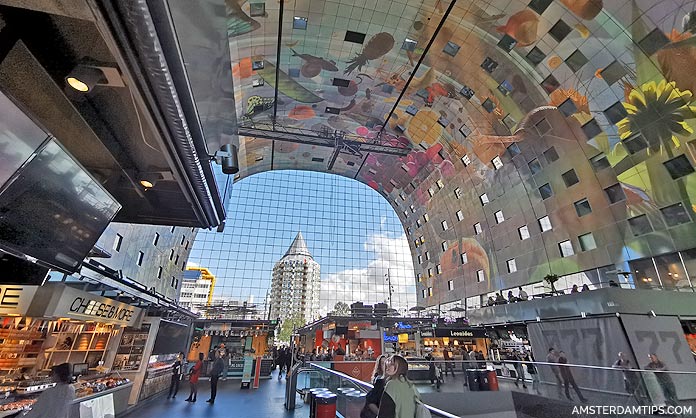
460 333
15 299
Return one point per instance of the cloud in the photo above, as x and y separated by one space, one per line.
369 284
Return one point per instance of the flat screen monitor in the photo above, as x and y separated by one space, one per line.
14 270
80 369
53 210
171 338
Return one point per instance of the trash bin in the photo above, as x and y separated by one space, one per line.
312 394
325 405
483 380
492 380
354 404
472 379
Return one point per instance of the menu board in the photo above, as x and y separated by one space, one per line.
129 355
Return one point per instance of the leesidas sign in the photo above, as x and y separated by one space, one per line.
60 301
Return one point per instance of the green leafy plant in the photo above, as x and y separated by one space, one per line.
551 279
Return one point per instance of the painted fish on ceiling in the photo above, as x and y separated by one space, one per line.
313 65
522 26
238 22
379 45
287 85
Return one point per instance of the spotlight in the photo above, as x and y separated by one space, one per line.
148 180
83 78
228 159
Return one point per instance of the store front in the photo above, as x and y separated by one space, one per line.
53 324
241 339
459 340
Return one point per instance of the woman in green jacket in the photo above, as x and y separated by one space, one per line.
399 397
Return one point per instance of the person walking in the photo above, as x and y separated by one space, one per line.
630 379
176 377
215 371
568 379
552 357
225 356
449 363
532 370
194 375
519 370
55 402
374 396
282 353
400 395
664 379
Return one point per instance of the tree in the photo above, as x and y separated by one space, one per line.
289 325
341 309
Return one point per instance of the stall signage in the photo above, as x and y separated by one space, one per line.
426 333
359 324
15 299
401 325
460 333
76 304
403 338
391 338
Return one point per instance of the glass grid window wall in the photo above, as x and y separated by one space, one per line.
355 249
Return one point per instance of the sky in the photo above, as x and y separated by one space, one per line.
352 232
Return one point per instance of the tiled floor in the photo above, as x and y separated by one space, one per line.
265 402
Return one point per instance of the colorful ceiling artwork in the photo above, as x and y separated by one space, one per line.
468 86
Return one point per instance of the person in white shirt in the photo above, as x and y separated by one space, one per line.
522 295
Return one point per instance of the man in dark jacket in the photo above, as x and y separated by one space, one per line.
568 379
215 371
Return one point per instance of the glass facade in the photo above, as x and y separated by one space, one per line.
350 230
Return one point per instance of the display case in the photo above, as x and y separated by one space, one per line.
158 375
77 343
418 368
19 347
129 354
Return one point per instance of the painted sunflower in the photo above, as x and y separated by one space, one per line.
659 113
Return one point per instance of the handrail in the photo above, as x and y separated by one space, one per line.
361 383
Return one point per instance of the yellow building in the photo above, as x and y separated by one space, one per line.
197 287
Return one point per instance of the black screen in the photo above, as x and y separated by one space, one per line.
53 210
14 270
171 338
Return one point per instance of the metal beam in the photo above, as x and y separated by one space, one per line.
355 144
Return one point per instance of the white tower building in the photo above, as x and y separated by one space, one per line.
295 285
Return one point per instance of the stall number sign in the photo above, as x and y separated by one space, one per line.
16 299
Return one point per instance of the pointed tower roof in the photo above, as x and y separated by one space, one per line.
298 247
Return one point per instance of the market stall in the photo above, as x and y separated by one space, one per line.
43 326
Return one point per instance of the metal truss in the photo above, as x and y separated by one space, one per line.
342 142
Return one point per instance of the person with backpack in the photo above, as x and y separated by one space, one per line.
400 398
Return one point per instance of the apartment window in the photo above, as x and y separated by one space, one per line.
430 272
413 208
566 248
450 285
545 224
176 261
431 192
419 276
183 238
173 283
499 218
497 162
675 215
406 213
466 160
420 259
444 245
156 239
570 178
425 293
635 143
477 228
615 193
484 199
599 162
679 167
457 193
141 255
460 215
514 149
172 230
444 225
159 272
430 291
511 266
416 242
480 276
551 155
440 184
117 242
171 254
545 191
560 30
523 232
187 245
426 218
464 257
640 225
587 242
438 269
418 223
299 22
427 255
536 56
401 195
582 207
534 166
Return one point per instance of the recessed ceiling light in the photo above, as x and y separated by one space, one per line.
77 84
